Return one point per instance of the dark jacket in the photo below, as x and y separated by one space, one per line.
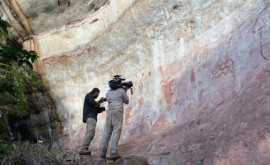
90 108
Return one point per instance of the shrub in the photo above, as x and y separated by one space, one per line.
31 154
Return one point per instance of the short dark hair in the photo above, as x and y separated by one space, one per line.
94 90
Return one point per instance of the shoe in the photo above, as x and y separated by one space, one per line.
84 152
114 158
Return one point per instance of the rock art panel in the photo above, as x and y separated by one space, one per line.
185 58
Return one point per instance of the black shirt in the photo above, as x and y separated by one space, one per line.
90 107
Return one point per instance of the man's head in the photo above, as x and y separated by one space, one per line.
95 92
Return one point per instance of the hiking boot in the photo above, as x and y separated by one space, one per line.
84 152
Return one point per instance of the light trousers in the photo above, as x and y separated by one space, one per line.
112 131
89 133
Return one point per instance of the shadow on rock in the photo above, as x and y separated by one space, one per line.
131 160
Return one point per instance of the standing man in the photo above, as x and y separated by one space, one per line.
114 121
91 108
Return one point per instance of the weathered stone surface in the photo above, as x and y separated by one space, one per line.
195 64
199 55
34 16
131 160
95 160
235 133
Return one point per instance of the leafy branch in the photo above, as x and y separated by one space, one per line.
16 72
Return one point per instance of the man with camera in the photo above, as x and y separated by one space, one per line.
91 108
116 97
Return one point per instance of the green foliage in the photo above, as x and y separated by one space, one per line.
4 134
16 74
4 25
5 143
11 50
5 147
16 53
15 82
16 79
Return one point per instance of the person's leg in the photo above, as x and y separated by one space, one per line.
89 134
117 120
106 136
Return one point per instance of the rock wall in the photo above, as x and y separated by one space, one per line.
184 57
42 123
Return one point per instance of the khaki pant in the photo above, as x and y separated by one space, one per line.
89 133
112 130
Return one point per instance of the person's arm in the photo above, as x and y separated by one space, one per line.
92 101
125 96
101 109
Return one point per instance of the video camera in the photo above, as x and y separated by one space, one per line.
102 100
116 83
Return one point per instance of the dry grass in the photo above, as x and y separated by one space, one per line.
31 154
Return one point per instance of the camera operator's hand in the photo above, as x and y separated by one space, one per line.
98 104
125 88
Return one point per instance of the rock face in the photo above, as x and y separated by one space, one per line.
43 122
34 17
233 133
188 60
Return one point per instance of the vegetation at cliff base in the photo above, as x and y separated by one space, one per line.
16 79
31 154
16 74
